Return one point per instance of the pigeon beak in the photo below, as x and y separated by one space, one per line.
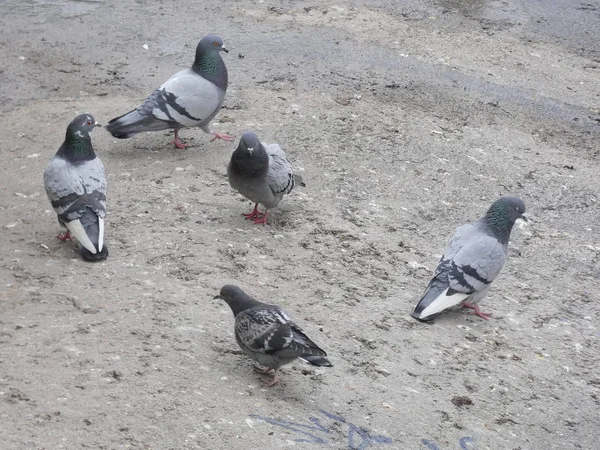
216 297
525 218
224 49
97 124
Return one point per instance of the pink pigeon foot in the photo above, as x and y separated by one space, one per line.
255 214
217 135
273 381
66 236
262 219
477 311
178 144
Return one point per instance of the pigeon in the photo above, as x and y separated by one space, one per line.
190 98
473 259
76 187
267 335
261 173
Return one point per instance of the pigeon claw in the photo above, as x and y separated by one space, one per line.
273 381
254 214
484 316
217 135
267 371
66 236
477 312
178 144
260 220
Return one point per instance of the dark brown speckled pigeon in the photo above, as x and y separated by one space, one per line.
267 335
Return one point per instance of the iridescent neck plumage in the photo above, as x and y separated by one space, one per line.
499 222
210 65
77 146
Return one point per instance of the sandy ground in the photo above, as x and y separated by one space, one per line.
406 119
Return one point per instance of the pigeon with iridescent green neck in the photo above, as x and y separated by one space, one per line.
473 259
76 187
190 98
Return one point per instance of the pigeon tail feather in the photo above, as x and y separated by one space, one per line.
317 361
89 256
437 298
299 181
93 226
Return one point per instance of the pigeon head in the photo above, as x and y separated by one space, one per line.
249 142
208 63
237 299
503 214
250 158
78 144
211 43
84 123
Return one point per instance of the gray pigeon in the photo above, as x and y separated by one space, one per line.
261 173
267 335
190 98
473 259
76 186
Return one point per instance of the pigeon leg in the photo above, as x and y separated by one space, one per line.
66 236
477 311
264 370
254 214
262 219
178 144
273 381
217 135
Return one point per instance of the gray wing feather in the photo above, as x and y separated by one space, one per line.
280 176
476 264
191 99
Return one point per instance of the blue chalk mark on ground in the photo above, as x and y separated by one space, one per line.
358 438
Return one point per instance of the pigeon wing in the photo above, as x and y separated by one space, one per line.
264 330
476 264
301 345
280 176
186 98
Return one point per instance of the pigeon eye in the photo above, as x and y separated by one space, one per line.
216 44
89 122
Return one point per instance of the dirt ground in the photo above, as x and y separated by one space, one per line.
405 119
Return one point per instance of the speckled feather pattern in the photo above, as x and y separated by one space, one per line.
268 336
